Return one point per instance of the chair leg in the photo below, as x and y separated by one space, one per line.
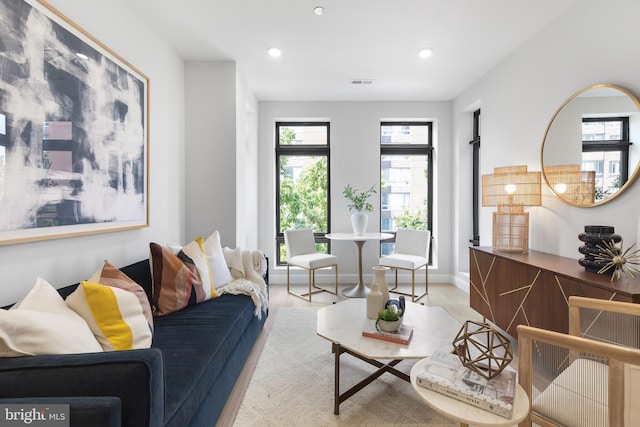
413 295
413 286
313 289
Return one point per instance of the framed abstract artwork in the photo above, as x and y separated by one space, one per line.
74 120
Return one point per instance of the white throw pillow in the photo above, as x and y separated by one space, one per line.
219 268
41 323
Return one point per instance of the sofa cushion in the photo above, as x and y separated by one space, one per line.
196 343
176 281
114 315
41 323
110 275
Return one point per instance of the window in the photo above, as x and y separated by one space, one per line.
302 181
475 186
406 177
605 150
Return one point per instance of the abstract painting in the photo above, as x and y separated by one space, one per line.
73 130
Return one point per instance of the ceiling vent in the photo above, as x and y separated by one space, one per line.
361 81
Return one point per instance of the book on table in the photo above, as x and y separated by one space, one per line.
401 336
444 373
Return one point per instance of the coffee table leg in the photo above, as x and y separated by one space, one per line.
336 379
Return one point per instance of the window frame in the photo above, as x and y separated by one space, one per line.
621 145
410 149
301 150
475 185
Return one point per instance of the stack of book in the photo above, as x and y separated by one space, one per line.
444 373
401 336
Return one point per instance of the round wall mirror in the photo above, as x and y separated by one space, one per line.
588 154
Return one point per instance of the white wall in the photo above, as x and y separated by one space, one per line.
247 212
210 93
591 43
65 261
355 160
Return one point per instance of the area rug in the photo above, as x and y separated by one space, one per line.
293 384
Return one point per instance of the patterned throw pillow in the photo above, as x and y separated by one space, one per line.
114 315
111 276
176 280
41 323
195 251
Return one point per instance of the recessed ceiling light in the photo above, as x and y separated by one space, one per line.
425 53
318 10
81 55
274 52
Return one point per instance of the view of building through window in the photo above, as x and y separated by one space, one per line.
405 177
605 150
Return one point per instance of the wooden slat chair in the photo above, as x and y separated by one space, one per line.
589 377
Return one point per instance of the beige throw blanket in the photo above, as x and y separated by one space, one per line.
247 268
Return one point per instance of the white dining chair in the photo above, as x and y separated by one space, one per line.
411 253
301 252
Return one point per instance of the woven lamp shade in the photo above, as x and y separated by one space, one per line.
511 188
572 184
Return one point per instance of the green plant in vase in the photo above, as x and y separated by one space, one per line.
389 319
359 202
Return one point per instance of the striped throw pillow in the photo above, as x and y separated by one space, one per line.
176 280
114 315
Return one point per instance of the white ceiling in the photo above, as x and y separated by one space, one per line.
354 39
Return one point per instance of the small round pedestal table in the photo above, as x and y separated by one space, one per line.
359 290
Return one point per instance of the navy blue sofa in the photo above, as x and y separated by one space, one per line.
183 380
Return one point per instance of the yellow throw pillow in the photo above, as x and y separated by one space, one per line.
114 315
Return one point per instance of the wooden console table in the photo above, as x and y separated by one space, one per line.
533 288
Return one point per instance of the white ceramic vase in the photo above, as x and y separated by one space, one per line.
374 302
359 221
380 281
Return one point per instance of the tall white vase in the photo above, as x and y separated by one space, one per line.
380 281
359 221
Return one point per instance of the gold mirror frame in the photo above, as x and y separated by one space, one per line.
634 170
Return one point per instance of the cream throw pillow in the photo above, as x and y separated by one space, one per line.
41 323
114 315
219 268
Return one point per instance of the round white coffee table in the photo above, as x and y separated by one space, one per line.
467 414
359 290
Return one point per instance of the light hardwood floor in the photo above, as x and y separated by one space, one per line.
452 299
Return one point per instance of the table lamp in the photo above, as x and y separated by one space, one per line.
572 184
511 188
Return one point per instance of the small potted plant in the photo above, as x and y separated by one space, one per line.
389 319
359 202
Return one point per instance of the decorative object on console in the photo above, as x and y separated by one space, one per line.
572 184
511 188
594 238
482 349
361 205
622 261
